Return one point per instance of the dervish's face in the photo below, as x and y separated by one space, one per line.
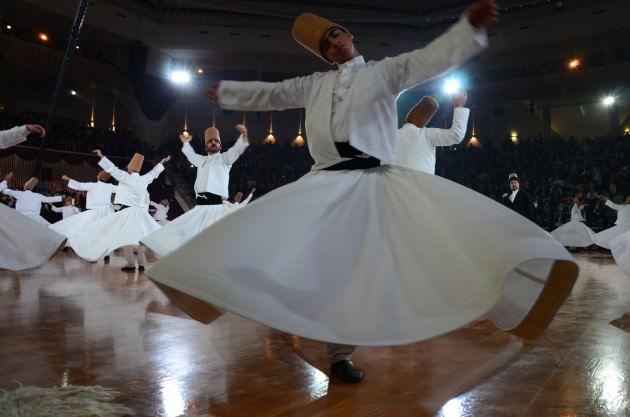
213 146
337 46
514 185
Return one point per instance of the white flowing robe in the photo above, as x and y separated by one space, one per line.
213 176
575 233
125 227
622 225
30 204
98 205
380 256
24 243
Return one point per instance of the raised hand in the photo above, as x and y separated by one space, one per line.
98 153
165 160
185 137
36 129
460 98
65 177
8 177
482 13
242 130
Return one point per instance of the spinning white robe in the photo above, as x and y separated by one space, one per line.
380 256
622 225
574 233
125 227
98 205
161 213
416 146
30 204
24 243
620 249
213 176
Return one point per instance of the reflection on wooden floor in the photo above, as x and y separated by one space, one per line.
88 324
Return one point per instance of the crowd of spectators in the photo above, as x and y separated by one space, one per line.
552 170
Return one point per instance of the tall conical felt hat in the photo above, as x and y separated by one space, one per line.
31 184
164 201
422 113
136 162
238 197
103 176
211 133
309 30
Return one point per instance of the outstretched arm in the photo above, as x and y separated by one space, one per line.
261 96
156 171
190 154
238 148
109 166
454 135
53 199
18 134
612 205
462 41
76 185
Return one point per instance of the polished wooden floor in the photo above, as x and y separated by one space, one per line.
72 322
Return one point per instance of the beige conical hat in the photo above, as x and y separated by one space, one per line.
103 176
31 184
238 197
422 113
164 201
211 133
309 30
136 162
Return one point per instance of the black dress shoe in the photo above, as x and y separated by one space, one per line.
346 371
141 268
128 268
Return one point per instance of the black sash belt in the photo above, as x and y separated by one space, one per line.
209 199
346 150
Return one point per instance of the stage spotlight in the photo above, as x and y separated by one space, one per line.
42 37
73 92
200 71
452 86
180 77
608 101
574 64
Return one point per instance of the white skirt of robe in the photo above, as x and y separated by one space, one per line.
185 227
574 234
384 256
123 228
604 237
37 218
25 243
620 249
75 224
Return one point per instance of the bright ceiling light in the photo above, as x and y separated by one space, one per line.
180 77
452 86
608 101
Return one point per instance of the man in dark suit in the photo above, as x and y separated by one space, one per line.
519 200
